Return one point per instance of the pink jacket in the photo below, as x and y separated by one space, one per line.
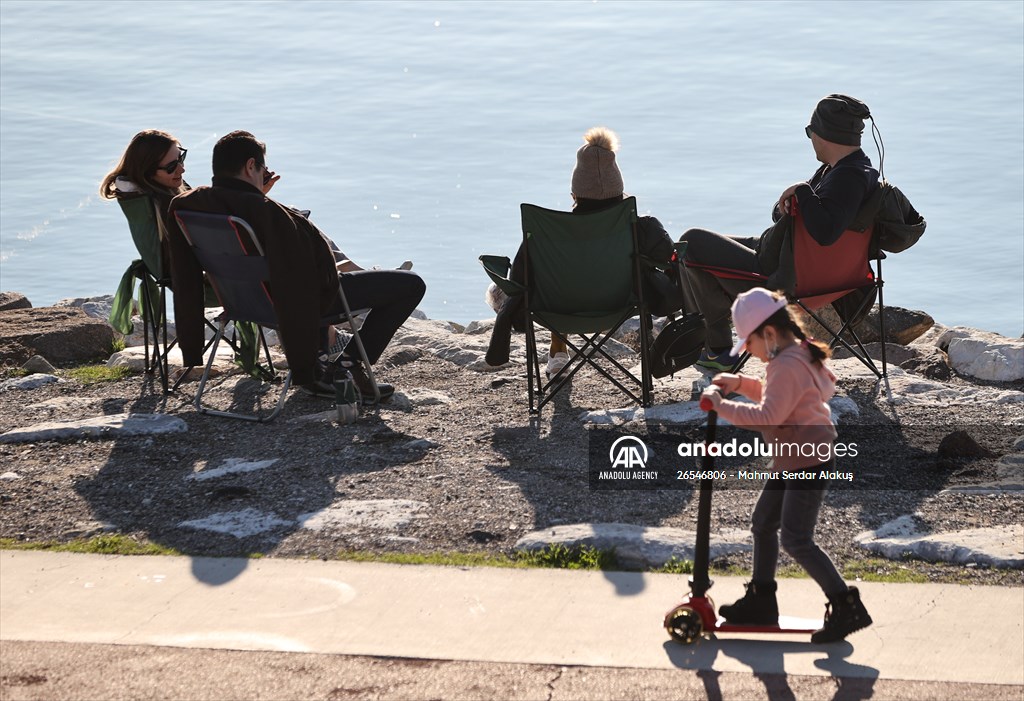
791 408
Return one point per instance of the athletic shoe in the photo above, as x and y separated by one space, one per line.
722 361
363 384
556 363
844 614
757 607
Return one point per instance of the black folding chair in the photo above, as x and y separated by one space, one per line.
240 280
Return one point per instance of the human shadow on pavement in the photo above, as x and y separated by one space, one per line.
767 662
236 489
549 462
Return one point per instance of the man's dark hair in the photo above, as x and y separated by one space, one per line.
233 151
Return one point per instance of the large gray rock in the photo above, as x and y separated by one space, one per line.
13 300
932 363
986 356
61 335
94 307
894 354
902 326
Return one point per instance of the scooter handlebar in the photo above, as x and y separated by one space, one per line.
705 403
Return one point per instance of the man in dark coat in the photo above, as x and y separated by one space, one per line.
304 279
828 202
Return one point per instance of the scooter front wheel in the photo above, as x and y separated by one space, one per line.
684 625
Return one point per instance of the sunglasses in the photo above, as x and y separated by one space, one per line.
176 163
807 130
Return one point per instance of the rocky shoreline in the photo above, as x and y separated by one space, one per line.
455 464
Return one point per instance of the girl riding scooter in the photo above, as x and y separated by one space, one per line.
791 407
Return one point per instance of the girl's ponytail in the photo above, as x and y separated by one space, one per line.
785 320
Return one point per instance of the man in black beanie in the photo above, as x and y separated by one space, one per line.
828 202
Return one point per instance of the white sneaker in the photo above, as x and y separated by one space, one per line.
557 363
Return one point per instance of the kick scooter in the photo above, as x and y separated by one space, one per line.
696 614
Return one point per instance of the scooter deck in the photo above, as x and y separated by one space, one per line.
787 624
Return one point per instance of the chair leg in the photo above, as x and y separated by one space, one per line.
230 414
645 351
881 315
359 345
165 363
532 368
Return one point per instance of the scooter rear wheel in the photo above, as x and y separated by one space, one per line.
684 625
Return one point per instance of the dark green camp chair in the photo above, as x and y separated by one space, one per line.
154 276
583 272
154 279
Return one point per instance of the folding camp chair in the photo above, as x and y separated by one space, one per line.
143 221
143 215
583 273
825 274
221 244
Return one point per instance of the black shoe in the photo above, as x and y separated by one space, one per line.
757 607
362 381
318 388
844 614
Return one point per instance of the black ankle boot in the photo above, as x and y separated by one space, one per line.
844 614
757 607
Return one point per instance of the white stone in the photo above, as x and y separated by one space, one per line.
843 406
996 546
28 382
479 327
134 358
988 357
240 524
381 514
910 389
440 339
111 426
420 444
10 476
635 546
231 466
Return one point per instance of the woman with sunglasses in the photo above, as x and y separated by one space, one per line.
153 164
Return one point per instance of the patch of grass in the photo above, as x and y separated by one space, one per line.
562 557
118 345
879 570
554 556
94 374
110 544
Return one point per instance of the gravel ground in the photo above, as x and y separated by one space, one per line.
489 475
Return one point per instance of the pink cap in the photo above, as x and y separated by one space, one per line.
751 309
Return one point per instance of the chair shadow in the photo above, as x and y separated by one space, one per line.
767 662
172 489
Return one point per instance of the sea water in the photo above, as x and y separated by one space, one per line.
413 130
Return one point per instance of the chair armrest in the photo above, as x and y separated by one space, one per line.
497 268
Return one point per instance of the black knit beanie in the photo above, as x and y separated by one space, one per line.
839 119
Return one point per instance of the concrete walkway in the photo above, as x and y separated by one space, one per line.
929 632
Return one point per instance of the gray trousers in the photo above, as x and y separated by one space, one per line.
713 296
789 509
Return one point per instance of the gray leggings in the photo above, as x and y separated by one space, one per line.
712 296
792 507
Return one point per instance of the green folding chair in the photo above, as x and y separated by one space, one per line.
141 213
583 275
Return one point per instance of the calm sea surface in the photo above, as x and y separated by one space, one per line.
415 129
